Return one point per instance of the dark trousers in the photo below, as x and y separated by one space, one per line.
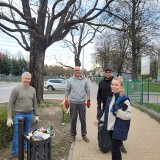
75 110
116 153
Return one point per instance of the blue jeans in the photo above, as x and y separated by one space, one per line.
27 119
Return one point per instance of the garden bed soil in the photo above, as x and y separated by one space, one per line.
50 115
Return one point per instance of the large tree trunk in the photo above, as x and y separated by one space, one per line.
133 39
37 56
77 61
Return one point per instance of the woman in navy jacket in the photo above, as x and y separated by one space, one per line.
117 116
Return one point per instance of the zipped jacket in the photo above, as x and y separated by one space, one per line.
120 123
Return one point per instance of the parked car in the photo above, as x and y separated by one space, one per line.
55 84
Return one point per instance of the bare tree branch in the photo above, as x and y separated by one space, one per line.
13 30
26 48
63 64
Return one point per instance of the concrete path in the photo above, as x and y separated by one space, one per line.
143 141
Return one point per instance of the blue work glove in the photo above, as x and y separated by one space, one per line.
116 105
114 109
119 100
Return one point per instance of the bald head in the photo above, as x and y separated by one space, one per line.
77 71
76 68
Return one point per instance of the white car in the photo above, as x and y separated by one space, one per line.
55 84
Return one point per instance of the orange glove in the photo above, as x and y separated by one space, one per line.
66 104
88 103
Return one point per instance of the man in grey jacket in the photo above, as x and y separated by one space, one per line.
77 89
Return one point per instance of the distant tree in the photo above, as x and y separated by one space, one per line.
141 19
6 65
104 45
22 65
78 39
121 57
16 68
46 70
1 66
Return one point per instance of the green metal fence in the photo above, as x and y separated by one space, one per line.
140 91
143 92
11 78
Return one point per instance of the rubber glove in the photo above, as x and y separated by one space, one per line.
9 122
88 103
36 118
66 104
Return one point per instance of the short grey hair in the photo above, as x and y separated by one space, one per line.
26 74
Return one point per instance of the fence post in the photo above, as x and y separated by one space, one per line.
141 94
20 139
127 87
148 92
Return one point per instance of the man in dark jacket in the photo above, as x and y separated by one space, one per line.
104 91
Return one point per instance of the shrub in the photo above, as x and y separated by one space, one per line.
6 133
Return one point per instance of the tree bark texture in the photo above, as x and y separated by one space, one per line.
37 56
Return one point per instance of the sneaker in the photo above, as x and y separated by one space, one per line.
86 139
123 149
14 158
72 139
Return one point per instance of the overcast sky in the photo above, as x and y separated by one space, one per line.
65 56
9 45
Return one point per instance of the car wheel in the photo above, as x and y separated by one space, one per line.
50 88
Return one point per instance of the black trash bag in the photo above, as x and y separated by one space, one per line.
104 140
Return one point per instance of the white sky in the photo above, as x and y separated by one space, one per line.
64 55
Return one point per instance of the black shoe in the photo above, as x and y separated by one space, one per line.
72 139
123 149
86 139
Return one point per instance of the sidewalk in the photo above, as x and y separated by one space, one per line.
143 142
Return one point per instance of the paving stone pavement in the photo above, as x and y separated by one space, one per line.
143 141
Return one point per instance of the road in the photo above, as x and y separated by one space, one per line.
6 88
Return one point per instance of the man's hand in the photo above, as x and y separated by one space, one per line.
9 122
66 104
88 103
36 119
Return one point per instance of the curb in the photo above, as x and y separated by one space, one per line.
71 151
73 144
